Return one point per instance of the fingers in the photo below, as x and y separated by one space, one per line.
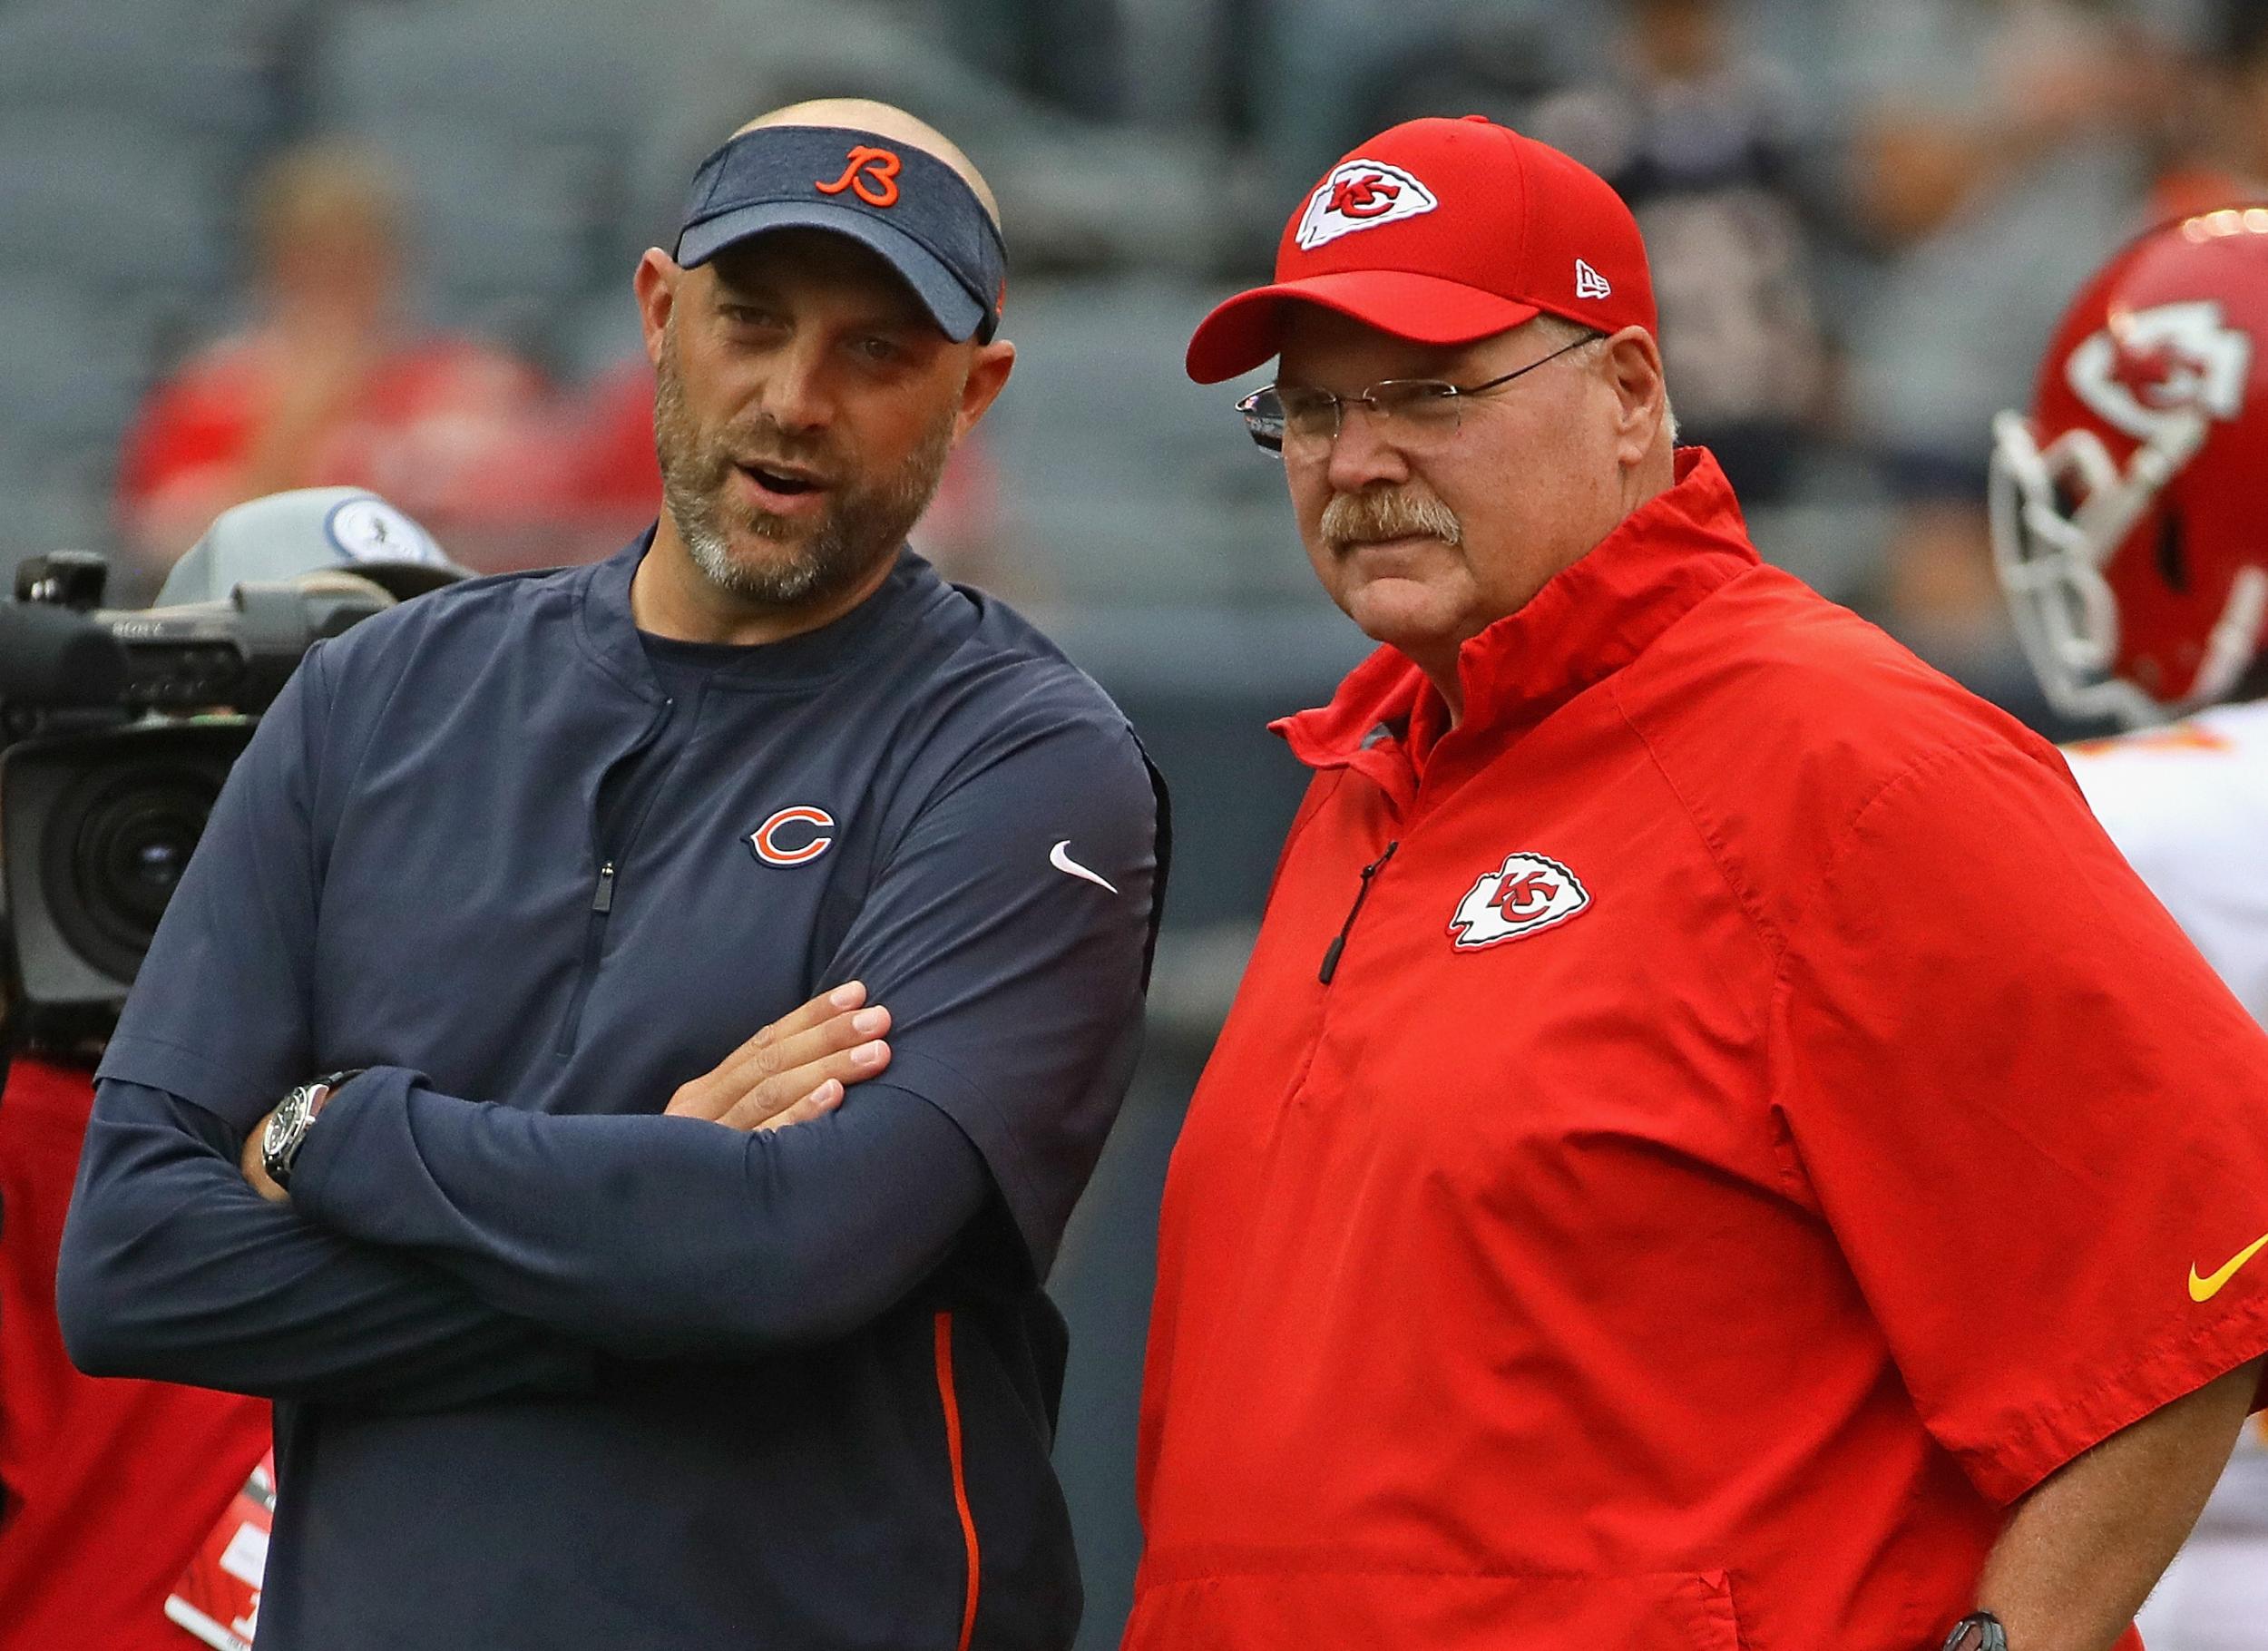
849 995
824 1098
783 1057
782 1092
829 1005
712 1094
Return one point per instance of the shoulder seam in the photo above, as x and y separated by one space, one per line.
1912 771
1782 1143
1767 933
973 765
1776 942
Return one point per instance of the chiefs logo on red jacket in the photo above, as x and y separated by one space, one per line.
1527 892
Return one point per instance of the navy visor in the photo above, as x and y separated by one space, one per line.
903 203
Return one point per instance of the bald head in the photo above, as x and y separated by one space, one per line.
885 121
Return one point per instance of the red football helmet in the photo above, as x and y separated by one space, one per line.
2125 510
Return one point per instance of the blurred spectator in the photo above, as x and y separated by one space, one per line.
614 479
1487 63
1700 141
1071 53
1993 170
966 532
2241 50
2213 113
329 384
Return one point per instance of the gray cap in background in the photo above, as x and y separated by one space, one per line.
270 540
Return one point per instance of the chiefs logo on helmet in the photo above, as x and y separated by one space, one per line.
2125 503
1527 892
1360 195
2151 366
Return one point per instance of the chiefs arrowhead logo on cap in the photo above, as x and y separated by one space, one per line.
1527 892
2154 366
1360 195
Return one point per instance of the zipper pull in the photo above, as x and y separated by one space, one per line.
603 900
1331 958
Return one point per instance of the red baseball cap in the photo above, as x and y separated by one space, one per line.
1444 232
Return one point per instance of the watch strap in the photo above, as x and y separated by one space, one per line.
295 1116
1977 1631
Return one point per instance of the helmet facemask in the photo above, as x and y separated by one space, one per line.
2060 513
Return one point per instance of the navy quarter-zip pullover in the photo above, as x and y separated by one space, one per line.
554 1371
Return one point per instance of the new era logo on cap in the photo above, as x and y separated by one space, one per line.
1361 195
1589 283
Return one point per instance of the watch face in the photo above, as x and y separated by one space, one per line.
284 1127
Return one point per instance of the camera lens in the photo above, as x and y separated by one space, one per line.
126 835
134 847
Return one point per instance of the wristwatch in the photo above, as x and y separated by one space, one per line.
1977 1631
289 1124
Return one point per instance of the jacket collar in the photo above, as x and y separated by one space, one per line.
1592 618
802 663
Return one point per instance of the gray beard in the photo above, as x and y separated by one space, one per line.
863 523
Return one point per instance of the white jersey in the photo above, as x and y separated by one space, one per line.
2189 806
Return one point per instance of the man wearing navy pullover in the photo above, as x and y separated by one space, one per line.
435 1115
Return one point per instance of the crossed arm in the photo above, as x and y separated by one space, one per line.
183 1263
726 1232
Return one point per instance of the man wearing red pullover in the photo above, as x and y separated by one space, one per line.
1715 1149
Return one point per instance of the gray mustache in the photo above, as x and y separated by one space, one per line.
1360 518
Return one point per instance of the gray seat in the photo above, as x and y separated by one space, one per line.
59 492
200 67
1137 485
55 512
1108 549
528 72
600 333
114 205
494 223
70 373
1098 391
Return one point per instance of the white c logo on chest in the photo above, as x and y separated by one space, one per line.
793 836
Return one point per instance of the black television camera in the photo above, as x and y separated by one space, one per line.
116 730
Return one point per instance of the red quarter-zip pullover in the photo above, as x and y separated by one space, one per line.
1695 1141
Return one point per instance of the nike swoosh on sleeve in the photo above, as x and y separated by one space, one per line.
1061 861
2205 1289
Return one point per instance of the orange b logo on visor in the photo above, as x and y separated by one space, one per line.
872 173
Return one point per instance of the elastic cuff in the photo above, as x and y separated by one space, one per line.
342 1114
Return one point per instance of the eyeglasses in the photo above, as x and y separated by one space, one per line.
1416 407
